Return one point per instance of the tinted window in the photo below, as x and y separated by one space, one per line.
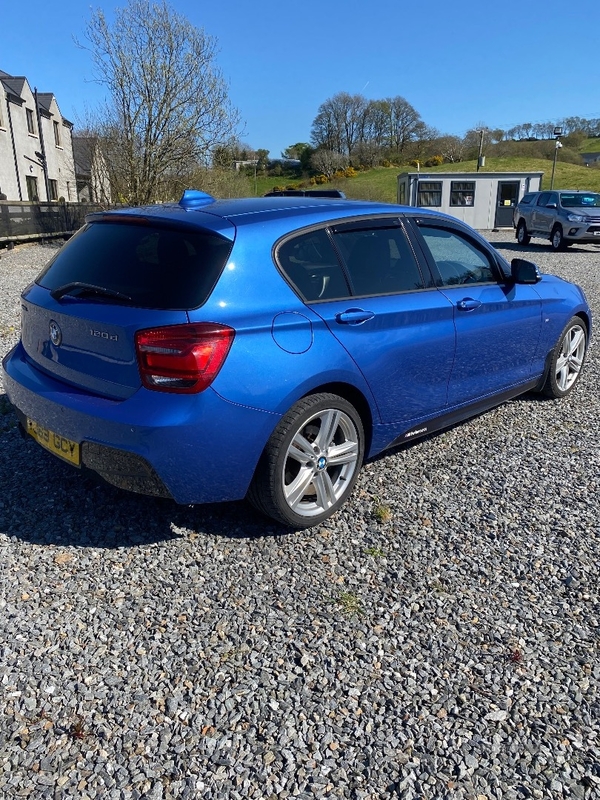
379 261
155 267
527 199
543 199
429 194
311 265
462 193
458 259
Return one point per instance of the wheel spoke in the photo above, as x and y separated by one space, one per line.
345 453
562 377
326 495
329 423
296 490
577 362
576 340
300 449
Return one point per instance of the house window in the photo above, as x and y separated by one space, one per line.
56 133
30 121
32 189
402 194
53 186
430 193
462 193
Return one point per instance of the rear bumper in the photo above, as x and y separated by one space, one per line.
193 448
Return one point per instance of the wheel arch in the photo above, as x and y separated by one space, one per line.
586 319
356 398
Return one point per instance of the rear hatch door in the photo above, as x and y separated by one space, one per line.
115 277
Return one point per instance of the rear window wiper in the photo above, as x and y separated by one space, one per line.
78 289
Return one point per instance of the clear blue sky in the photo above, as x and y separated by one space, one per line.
458 62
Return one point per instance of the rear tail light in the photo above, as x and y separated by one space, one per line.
182 358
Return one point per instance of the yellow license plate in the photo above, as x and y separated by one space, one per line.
59 445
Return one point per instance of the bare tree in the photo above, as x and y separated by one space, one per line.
328 161
168 104
406 124
340 123
451 148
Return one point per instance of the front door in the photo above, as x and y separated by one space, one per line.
497 322
508 197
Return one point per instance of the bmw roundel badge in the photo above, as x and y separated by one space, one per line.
55 333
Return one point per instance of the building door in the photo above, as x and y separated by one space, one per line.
508 197
32 189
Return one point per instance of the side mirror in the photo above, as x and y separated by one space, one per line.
551 205
524 271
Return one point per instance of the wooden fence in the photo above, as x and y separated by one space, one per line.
21 222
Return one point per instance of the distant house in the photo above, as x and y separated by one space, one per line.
91 173
590 158
36 152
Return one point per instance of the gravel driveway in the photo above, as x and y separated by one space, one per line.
437 639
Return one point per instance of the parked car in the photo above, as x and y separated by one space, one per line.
563 217
306 193
214 350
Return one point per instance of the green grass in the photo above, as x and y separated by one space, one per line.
349 603
379 184
591 145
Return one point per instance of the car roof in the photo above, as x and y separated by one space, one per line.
219 215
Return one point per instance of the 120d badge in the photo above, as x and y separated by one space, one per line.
111 337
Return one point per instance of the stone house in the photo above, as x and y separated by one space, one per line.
36 150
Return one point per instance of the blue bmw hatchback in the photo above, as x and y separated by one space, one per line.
262 348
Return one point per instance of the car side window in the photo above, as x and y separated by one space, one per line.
379 261
543 199
311 265
459 260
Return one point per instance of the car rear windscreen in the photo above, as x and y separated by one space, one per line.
149 266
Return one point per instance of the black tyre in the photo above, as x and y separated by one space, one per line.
311 462
523 237
567 359
557 241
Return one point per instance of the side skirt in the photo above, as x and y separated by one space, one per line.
453 417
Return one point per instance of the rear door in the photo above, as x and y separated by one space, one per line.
364 281
544 217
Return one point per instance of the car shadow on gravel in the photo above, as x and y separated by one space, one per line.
539 247
46 502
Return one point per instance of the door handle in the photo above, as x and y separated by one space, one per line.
354 316
468 304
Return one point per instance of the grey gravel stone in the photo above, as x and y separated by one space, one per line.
155 651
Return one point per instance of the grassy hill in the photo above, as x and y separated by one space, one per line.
591 146
380 183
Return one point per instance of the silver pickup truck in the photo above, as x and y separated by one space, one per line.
563 217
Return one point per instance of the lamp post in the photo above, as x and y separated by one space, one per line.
480 161
557 146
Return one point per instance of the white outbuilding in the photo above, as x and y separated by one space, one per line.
484 200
